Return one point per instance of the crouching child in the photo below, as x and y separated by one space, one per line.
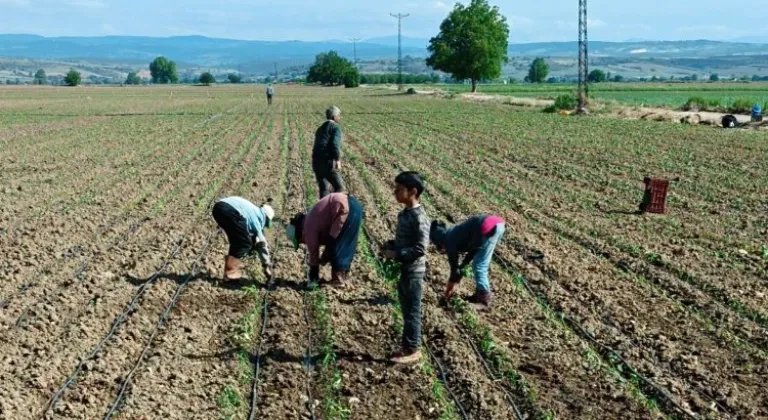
477 238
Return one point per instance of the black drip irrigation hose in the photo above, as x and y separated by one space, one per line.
131 229
127 381
118 321
576 327
308 362
375 248
77 276
259 349
488 370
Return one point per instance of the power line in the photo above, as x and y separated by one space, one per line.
399 18
583 58
354 48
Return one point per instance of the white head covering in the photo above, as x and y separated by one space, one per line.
269 212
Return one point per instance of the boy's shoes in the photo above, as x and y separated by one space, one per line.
481 300
406 357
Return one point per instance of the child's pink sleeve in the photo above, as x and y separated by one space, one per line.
489 223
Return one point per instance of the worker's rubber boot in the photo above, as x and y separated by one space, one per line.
232 269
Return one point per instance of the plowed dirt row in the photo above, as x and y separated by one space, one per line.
361 315
640 337
119 360
191 180
159 250
740 280
542 364
194 358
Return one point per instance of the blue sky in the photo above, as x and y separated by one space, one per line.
550 20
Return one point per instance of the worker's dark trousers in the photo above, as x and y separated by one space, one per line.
409 292
342 249
325 174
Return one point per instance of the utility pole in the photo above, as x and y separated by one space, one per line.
583 58
399 18
354 47
275 72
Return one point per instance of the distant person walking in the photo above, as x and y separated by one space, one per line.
326 153
270 94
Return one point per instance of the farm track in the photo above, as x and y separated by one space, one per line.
715 383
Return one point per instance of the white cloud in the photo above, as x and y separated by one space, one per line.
17 3
87 4
595 23
108 29
441 6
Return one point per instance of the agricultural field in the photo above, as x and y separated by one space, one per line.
111 304
670 95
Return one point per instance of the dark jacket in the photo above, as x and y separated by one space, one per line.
412 239
462 238
327 145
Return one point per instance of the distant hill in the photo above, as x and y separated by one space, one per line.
203 51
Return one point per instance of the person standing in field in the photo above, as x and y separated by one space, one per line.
477 237
334 222
244 224
410 249
326 153
270 93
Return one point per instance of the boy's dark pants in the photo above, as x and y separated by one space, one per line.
409 290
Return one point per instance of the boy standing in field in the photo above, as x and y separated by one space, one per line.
244 224
410 249
477 237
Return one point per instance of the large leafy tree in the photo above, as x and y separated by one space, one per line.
163 71
207 79
472 43
133 79
597 76
332 69
40 77
73 78
538 71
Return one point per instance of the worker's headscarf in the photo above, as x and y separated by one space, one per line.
437 232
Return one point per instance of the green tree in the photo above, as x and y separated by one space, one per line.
618 78
133 79
538 71
73 78
163 71
472 43
597 76
714 77
234 78
40 77
694 77
207 79
332 69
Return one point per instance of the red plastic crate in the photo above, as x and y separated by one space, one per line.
655 196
